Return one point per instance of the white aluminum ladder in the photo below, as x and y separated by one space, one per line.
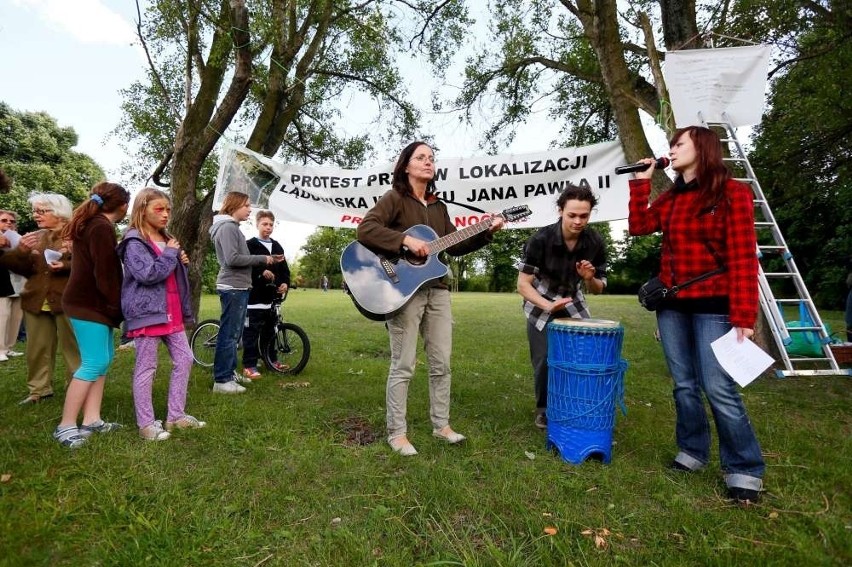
771 305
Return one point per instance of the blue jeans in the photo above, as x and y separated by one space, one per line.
234 305
686 339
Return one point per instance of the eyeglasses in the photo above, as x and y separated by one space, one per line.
42 211
422 158
7 220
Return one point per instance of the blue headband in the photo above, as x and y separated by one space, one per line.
98 199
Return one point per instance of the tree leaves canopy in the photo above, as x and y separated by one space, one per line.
276 76
803 157
36 154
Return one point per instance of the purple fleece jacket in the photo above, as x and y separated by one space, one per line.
143 289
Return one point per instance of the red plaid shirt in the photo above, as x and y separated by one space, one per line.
729 231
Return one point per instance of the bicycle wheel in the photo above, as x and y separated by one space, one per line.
203 342
287 351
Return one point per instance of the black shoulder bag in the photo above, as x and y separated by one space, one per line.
653 292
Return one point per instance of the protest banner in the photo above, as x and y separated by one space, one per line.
471 187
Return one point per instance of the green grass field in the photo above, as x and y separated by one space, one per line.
297 472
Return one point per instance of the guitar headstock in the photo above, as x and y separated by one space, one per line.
516 213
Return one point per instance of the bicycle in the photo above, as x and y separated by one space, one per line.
286 350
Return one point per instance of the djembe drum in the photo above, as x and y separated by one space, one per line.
585 382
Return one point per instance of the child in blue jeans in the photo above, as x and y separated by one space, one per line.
155 300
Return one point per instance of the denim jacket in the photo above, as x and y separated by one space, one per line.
143 289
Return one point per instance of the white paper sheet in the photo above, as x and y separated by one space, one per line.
729 80
52 255
743 361
13 238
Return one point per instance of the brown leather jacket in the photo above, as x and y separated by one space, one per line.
42 283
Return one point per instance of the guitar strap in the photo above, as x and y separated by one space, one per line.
462 205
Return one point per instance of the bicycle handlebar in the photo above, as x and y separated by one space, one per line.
280 298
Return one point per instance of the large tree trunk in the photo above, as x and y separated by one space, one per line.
206 117
190 224
680 30
599 19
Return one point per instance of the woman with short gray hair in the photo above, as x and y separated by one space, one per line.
43 258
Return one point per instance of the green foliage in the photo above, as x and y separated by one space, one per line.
497 261
322 252
297 472
802 157
209 270
636 260
35 152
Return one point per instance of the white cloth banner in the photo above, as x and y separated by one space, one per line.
471 187
729 80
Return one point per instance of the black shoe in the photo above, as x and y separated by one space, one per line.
34 399
541 420
676 466
743 495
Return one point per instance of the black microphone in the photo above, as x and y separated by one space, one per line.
661 163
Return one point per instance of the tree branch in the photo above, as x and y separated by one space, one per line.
241 80
666 118
806 56
405 107
572 70
571 8
176 116
422 33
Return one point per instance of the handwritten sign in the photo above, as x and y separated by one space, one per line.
715 81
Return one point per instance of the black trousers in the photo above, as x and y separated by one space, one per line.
257 332
538 357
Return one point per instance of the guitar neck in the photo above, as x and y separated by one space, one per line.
454 238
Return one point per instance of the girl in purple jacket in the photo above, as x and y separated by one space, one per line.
155 300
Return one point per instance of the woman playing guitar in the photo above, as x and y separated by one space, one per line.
411 202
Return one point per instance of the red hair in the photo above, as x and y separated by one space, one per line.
710 171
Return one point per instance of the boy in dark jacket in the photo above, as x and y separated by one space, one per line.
267 282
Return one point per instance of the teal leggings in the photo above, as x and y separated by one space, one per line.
97 348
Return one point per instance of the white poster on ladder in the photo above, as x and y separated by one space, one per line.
729 80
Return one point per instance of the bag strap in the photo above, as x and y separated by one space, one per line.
676 288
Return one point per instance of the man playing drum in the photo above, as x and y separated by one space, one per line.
558 263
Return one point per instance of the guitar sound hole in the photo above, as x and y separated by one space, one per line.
414 260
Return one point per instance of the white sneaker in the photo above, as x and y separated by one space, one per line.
3 358
14 353
228 388
154 432
186 422
240 379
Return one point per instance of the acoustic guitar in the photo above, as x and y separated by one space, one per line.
381 285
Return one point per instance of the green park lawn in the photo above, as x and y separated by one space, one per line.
297 472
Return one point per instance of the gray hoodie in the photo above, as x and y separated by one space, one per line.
232 252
